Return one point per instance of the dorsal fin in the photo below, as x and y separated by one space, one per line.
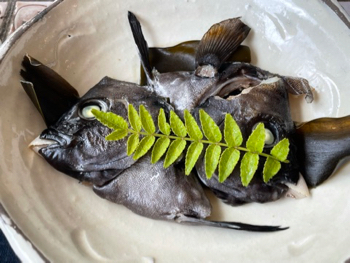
51 94
141 44
217 44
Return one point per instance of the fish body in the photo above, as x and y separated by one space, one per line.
74 143
157 194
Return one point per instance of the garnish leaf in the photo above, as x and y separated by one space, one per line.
160 148
256 140
134 118
249 165
132 143
164 127
174 151
280 150
211 159
147 120
117 135
228 161
271 168
177 126
143 147
193 129
192 155
111 120
210 129
232 132
176 144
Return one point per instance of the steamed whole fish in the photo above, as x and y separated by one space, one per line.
74 141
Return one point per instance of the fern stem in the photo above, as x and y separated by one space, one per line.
202 141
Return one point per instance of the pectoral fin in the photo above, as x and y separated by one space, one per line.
218 44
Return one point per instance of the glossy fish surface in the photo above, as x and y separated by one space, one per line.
74 143
267 102
81 150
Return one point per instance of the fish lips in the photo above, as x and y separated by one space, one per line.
49 139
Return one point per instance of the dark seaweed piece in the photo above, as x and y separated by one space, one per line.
323 143
182 57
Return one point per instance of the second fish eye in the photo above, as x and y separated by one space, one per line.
269 136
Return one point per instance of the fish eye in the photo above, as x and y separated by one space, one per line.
269 136
85 110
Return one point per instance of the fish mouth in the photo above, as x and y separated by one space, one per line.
54 135
39 143
49 138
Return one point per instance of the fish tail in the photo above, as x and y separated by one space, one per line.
141 44
218 44
229 225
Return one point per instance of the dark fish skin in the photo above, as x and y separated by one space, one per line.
264 100
81 150
182 57
260 100
187 89
158 193
321 144
148 190
250 94
184 89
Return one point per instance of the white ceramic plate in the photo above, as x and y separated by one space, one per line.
84 40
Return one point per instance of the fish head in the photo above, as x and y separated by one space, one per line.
251 101
76 144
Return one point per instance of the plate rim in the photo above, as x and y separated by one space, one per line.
22 246
19 242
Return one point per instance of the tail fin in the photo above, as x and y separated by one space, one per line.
218 44
141 45
229 225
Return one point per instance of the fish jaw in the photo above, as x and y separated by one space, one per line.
38 143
